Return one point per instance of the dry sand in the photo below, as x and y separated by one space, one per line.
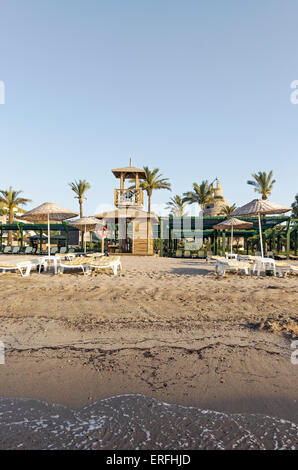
169 329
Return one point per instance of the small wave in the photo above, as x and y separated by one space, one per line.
137 422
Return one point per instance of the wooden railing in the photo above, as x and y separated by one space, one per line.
128 197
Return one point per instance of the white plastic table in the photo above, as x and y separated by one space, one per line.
266 263
45 260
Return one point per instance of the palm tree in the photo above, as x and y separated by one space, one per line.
202 194
154 180
176 206
79 188
10 201
227 210
295 208
3 211
262 183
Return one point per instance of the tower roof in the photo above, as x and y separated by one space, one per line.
129 172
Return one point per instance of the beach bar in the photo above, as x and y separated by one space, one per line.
130 228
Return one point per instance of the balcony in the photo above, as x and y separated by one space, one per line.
128 197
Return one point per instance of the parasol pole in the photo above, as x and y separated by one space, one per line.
261 237
232 239
49 236
85 238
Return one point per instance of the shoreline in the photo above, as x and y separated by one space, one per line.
234 371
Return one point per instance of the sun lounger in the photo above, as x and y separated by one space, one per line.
65 256
284 268
80 262
214 258
106 262
23 267
7 250
178 254
223 266
15 250
28 250
294 269
40 252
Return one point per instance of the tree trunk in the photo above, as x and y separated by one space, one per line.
148 218
82 232
149 202
10 221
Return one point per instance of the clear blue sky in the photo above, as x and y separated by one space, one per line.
197 88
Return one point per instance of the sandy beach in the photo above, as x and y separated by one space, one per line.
167 329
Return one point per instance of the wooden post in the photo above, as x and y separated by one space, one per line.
288 232
67 236
223 242
265 243
22 235
171 239
82 240
161 239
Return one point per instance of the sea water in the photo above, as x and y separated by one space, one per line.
137 422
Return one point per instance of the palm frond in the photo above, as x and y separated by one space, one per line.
263 183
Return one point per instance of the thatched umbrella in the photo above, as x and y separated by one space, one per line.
46 212
232 224
260 207
85 224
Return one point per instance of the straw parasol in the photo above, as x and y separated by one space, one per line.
46 212
85 224
260 207
231 224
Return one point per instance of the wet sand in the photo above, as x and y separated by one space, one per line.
164 328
